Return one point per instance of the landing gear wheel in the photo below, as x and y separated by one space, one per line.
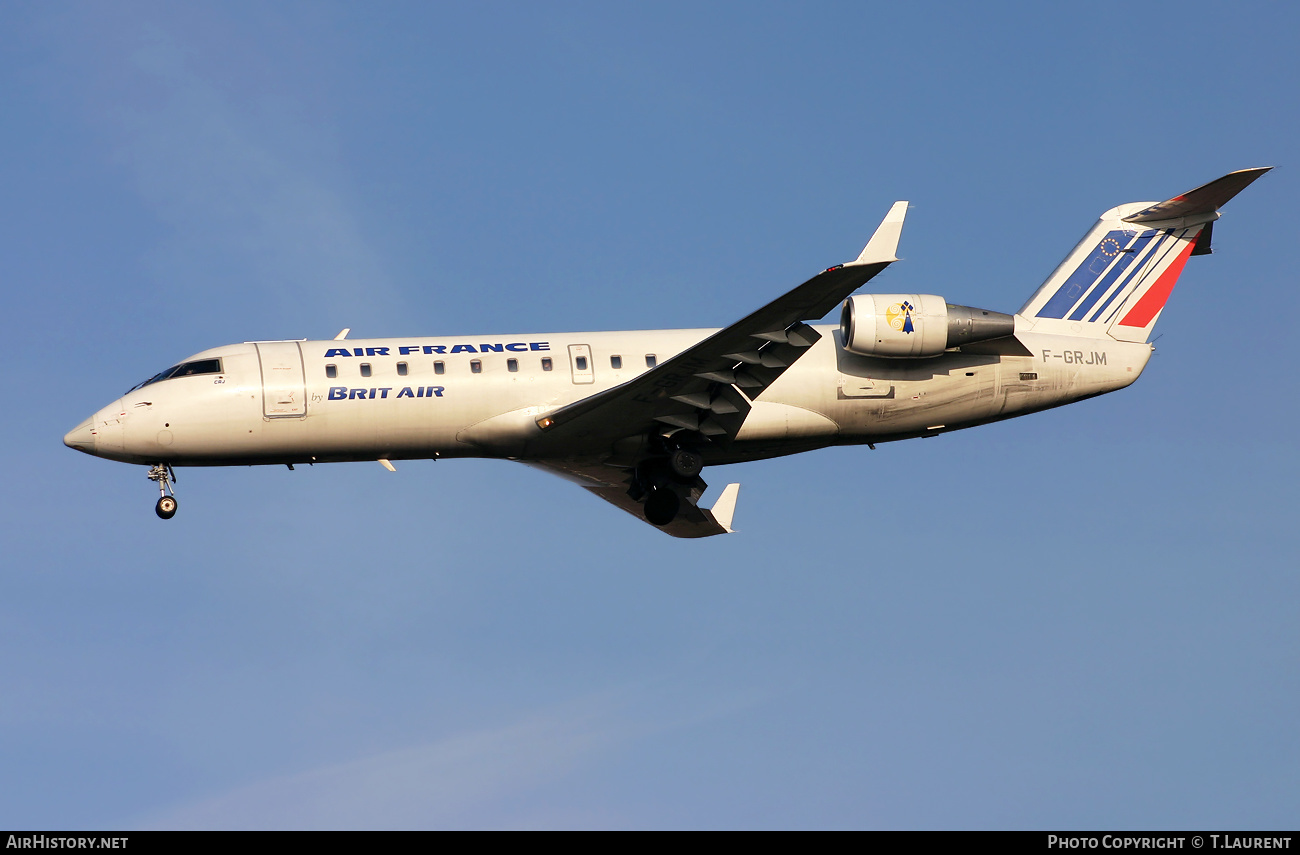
166 507
661 507
685 463
162 475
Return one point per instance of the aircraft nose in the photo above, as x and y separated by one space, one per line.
82 437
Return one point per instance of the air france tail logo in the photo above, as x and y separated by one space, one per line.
899 317
1121 265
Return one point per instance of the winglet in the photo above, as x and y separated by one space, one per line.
725 507
883 246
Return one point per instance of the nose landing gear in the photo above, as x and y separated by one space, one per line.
165 476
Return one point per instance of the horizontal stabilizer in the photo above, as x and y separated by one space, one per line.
1203 200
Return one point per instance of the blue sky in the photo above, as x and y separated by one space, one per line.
1080 619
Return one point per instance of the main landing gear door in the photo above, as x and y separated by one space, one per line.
284 388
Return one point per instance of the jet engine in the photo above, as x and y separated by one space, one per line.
915 325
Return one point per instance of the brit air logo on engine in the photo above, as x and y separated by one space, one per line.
431 349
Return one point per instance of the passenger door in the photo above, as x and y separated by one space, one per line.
284 387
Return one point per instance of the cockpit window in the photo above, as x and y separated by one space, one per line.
185 369
202 366
163 375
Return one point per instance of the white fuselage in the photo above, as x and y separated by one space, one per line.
399 398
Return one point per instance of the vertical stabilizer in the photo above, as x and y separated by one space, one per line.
1116 281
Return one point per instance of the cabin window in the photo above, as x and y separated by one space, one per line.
616 362
650 360
331 371
439 367
547 364
365 369
582 363
476 366
401 369
512 364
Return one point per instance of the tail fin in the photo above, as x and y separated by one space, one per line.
1116 281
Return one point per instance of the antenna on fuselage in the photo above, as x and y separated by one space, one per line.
343 334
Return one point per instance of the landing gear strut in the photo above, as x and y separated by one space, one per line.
165 476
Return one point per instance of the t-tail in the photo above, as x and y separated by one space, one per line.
1116 281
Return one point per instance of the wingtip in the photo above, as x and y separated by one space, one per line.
725 507
883 246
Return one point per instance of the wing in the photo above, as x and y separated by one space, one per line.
708 387
611 485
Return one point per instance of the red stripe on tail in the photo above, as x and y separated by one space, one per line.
1154 299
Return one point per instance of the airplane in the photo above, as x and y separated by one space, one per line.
634 417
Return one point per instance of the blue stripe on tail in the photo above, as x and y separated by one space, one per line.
1125 260
1145 264
1085 275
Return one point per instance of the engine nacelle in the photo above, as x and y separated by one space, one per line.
915 325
